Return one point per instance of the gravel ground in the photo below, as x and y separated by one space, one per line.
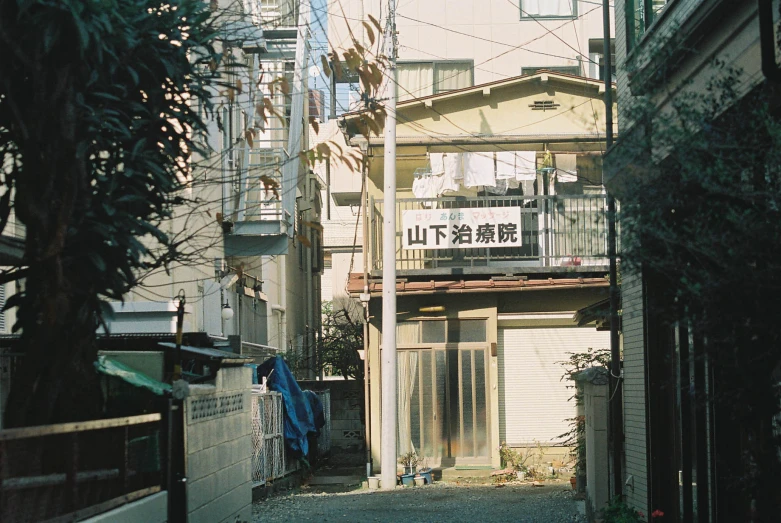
441 501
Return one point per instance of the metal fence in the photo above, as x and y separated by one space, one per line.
556 231
71 471
268 445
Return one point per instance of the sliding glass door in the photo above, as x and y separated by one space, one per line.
443 405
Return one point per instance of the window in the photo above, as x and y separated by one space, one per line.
567 69
441 331
531 9
418 79
640 14
596 55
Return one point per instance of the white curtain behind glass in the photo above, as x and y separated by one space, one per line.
547 7
408 373
415 80
453 76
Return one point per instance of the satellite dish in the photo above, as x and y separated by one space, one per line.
314 71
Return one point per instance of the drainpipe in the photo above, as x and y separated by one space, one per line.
616 397
365 302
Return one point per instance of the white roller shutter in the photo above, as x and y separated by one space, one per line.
533 400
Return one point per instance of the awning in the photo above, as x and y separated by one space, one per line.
110 367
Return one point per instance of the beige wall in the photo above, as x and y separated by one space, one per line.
490 32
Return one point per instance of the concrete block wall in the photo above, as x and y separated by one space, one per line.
346 398
218 422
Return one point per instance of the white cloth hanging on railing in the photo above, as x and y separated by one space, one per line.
437 163
566 168
442 183
505 165
421 186
479 170
525 166
454 165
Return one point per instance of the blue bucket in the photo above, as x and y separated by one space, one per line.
408 480
426 474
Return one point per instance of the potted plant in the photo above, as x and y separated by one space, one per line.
425 472
410 462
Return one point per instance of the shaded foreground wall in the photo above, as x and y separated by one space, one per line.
218 439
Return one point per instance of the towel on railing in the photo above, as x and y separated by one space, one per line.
505 165
526 166
566 168
479 170
454 166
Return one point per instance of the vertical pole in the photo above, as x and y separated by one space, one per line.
616 397
367 411
177 375
389 378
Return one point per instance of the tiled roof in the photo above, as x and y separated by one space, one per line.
355 285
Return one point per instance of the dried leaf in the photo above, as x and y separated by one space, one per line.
376 23
248 136
231 93
304 240
326 66
314 225
369 32
315 124
239 85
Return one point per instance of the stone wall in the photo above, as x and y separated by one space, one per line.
218 438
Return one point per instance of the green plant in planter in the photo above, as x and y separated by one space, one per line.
514 459
617 511
409 461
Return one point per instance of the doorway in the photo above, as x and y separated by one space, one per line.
443 412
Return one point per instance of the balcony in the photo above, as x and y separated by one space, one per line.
501 235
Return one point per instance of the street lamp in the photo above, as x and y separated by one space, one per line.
227 312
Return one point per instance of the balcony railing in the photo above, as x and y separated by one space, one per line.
552 234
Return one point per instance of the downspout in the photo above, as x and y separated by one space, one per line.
365 302
615 401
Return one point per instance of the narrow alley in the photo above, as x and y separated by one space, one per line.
438 502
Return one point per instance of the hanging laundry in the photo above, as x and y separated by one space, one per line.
441 184
479 170
437 163
566 168
526 165
505 165
421 186
500 188
454 165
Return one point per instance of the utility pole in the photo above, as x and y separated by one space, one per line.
389 378
616 398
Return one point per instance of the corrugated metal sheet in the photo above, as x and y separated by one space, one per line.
533 400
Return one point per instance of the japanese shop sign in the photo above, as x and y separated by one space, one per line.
461 228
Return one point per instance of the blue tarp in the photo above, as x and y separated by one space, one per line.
299 420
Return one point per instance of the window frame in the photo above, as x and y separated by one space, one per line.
434 64
526 17
650 17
